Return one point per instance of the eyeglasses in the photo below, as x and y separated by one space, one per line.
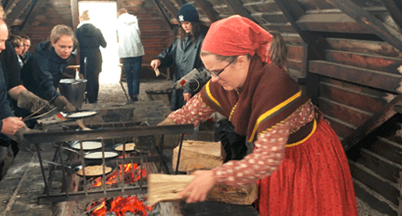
217 73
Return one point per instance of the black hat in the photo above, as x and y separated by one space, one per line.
188 13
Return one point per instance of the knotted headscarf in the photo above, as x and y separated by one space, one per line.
236 35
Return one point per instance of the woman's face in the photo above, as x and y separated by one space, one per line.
234 74
186 26
64 46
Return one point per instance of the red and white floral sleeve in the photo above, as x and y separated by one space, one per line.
268 154
193 112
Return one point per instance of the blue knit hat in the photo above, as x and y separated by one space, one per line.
188 13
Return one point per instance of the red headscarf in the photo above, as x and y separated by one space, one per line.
236 35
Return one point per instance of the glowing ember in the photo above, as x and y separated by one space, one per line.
127 173
119 206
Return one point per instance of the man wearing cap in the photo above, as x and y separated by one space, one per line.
184 54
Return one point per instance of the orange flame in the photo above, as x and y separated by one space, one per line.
128 175
119 206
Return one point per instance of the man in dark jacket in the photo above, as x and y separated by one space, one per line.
89 39
184 54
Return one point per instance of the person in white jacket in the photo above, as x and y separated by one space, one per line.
130 51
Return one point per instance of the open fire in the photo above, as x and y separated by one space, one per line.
129 173
119 206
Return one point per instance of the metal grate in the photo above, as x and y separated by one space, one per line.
75 187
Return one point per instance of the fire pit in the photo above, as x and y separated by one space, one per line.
131 168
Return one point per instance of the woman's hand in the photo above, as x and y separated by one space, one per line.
198 189
187 96
155 63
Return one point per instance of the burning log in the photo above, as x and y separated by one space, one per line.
119 206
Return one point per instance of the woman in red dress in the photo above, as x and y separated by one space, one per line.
295 156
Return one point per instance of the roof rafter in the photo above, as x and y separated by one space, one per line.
376 26
208 9
238 8
163 14
16 12
170 7
395 10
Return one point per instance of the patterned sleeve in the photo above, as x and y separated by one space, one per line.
268 154
193 112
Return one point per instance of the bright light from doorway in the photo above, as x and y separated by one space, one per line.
104 16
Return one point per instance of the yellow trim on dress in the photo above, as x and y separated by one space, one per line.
210 95
273 110
305 138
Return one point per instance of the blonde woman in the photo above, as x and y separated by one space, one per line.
42 73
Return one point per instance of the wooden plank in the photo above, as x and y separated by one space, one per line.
364 102
365 194
395 10
273 18
261 6
16 12
208 9
331 22
342 129
170 7
375 163
295 52
237 8
74 14
166 19
7 4
376 26
371 124
294 64
293 39
344 113
293 11
381 187
386 148
373 62
363 46
28 17
366 77
282 28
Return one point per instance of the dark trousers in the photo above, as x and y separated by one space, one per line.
92 87
132 68
233 143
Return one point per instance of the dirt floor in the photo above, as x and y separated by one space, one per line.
115 93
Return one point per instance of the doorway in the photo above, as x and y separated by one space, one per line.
104 16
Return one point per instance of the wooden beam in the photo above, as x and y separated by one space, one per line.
237 7
74 13
181 2
293 11
16 12
208 9
29 17
331 22
372 123
158 7
376 26
170 7
395 10
362 76
7 5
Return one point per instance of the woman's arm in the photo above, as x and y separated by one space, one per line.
193 112
42 75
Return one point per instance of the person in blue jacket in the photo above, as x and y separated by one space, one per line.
184 54
42 73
